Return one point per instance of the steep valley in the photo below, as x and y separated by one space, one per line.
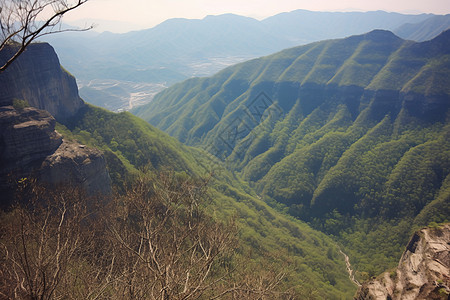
350 135
270 242
339 146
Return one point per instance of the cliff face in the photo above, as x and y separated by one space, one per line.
37 77
422 273
30 146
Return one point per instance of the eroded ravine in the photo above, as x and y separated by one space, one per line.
350 270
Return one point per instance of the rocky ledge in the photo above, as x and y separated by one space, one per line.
77 165
30 146
422 273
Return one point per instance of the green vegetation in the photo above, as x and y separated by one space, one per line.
20 104
343 143
350 135
337 144
274 241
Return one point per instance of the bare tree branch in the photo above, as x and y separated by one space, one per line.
24 21
156 241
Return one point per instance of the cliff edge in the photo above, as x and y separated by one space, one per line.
422 273
38 78
30 146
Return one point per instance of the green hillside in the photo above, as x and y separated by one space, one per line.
314 267
351 135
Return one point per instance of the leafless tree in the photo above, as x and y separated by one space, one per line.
156 241
167 246
262 282
24 21
172 247
48 246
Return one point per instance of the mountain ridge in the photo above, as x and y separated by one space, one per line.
421 31
290 63
181 48
332 132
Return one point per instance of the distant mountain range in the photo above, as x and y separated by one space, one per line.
180 48
352 135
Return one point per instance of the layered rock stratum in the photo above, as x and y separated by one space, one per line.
422 273
30 146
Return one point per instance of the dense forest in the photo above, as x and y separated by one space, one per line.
310 263
349 135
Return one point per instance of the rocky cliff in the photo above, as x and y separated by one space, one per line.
30 146
27 136
422 273
37 77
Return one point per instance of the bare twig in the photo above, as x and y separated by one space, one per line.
20 23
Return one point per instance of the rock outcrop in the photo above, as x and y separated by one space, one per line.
30 146
27 136
37 77
78 165
422 273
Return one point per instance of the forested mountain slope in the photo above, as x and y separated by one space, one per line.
270 241
351 135
271 246
121 71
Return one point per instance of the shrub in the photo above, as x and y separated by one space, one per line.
20 104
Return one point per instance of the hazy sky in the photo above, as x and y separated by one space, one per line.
139 14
